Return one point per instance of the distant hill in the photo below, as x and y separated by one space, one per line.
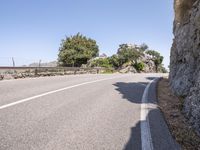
47 64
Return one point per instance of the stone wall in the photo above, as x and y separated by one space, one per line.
185 58
28 72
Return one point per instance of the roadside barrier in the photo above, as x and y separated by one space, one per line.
23 72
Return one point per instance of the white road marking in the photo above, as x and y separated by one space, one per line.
142 84
146 139
51 92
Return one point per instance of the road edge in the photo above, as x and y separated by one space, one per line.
161 135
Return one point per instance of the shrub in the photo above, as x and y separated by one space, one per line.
101 62
139 66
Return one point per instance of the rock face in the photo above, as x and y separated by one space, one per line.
149 65
185 58
128 69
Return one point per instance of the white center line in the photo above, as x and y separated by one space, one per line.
51 92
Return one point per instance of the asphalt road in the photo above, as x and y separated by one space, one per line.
82 112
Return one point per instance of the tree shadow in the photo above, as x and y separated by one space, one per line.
161 139
131 91
150 78
134 142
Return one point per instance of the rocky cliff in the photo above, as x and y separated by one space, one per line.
185 58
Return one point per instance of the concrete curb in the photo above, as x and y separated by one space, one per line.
161 136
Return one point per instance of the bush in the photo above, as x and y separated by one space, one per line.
101 62
139 66
162 69
114 61
108 71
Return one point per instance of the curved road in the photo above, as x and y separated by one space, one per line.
82 112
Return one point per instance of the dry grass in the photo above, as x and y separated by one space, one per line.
171 107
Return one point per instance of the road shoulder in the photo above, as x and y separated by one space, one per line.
171 106
161 136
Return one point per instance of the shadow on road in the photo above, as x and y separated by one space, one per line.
133 93
150 78
134 142
160 135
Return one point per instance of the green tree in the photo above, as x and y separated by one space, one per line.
144 47
114 61
128 54
156 57
77 50
162 69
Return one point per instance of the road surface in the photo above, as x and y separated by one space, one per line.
82 112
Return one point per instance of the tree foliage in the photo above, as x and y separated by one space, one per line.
162 69
77 50
144 47
114 61
156 57
101 62
128 54
139 66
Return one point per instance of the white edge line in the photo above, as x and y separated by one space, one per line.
50 92
146 139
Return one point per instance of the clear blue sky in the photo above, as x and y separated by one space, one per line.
32 29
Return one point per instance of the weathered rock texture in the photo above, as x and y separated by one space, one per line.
185 58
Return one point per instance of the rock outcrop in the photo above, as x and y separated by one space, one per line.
149 65
185 58
128 69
